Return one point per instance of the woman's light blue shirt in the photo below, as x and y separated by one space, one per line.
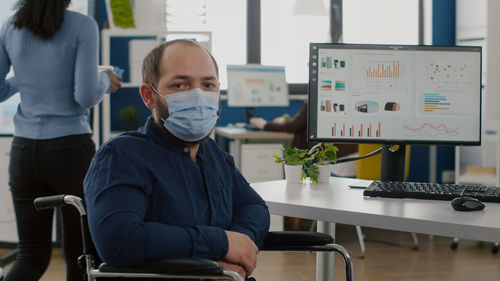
57 78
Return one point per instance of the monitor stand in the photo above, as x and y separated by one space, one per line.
249 111
393 163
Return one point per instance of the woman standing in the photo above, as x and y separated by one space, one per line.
53 52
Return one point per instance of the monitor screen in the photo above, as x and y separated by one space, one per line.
255 85
393 94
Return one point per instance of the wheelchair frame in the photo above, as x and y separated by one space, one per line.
189 268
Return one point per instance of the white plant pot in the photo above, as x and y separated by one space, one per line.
293 173
324 172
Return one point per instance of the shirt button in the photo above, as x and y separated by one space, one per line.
186 149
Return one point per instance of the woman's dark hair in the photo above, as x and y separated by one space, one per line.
42 17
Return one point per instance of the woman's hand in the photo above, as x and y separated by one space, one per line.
115 81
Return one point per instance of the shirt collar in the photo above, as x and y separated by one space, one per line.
163 138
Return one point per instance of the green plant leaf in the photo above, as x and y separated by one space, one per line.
277 158
303 176
313 173
294 156
323 153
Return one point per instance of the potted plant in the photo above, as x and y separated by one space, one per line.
129 117
324 155
294 160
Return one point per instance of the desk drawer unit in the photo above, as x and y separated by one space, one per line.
257 163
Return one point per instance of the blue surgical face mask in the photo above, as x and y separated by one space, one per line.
192 114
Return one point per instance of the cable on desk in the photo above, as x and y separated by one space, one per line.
349 159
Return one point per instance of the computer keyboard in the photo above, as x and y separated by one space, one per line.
251 127
431 191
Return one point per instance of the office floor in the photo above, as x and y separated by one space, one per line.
388 257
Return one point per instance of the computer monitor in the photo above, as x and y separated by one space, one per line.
255 85
394 94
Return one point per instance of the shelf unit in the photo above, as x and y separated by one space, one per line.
104 109
477 24
105 106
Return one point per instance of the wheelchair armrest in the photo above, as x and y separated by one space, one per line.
295 241
49 202
307 241
190 266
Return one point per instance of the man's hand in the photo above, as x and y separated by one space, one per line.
234 267
257 121
241 251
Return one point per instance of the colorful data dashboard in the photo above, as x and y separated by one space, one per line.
256 85
395 94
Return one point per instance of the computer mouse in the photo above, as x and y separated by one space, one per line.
465 203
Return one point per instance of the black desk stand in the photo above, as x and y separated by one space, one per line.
393 163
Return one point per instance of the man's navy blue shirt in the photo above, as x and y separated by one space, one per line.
147 199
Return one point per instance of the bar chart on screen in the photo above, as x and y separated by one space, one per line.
372 129
382 69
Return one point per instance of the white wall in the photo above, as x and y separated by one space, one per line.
381 21
6 9
493 66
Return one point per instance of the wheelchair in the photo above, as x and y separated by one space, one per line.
188 268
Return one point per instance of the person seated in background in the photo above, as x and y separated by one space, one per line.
167 190
297 125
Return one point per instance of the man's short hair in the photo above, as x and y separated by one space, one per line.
151 63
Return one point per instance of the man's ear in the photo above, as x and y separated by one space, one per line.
147 95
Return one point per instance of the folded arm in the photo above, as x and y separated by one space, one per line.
117 210
124 238
249 226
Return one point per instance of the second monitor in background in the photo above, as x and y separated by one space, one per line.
255 85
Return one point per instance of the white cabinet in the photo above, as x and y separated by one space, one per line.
8 228
478 24
257 163
485 159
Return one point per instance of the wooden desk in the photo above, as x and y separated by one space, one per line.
336 202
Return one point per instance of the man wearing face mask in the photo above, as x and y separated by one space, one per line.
168 190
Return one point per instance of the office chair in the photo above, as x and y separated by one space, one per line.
369 169
5 260
188 268
494 249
